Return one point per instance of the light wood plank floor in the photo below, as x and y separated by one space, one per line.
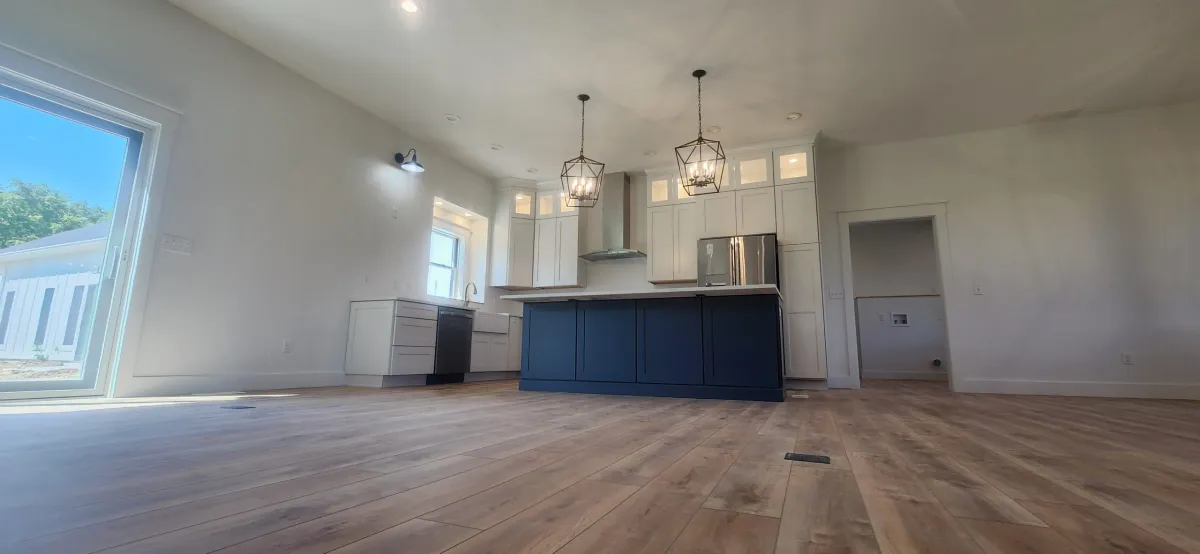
486 468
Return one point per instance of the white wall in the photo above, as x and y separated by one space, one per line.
288 191
897 258
1083 234
888 351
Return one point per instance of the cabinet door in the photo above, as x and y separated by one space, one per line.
563 207
567 272
796 213
800 273
670 341
520 252
658 189
607 341
752 169
497 359
793 165
742 342
660 238
368 348
755 210
548 341
481 347
514 344
546 204
718 216
686 225
805 347
522 204
545 255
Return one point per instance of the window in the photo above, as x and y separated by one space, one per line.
444 254
44 318
73 316
8 302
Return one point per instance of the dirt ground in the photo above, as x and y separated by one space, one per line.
27 370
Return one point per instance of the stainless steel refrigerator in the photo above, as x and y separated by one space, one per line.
741 260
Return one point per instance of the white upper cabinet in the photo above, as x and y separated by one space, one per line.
563 207
686 224
567 265
800 275
755 210
718 216
750 170
796 213
547 204
545 252
513 240
664 187
794 165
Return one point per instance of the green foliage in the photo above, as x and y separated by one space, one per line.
29 211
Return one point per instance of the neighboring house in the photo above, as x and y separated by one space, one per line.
47 286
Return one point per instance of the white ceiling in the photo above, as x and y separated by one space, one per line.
861 71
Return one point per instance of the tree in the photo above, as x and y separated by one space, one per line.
29 211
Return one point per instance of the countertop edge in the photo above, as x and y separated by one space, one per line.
682 292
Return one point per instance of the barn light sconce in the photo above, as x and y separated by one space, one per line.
409 162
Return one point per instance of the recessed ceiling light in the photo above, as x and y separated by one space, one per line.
531 170
451 117
409 6
794 116
793 160
497 147
650 153
714 129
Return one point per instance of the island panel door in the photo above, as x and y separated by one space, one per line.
670 341
607 343
742 341
549 341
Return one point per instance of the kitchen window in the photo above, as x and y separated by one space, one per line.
445 257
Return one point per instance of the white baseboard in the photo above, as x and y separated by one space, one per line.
906 375
842 382
479 376
1181 391
226 382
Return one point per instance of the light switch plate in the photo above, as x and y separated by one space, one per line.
979 288
835 294
177 244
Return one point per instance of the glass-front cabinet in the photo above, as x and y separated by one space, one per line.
751 169
522 204
793 165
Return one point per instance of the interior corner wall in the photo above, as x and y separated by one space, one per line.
288 192
1083 234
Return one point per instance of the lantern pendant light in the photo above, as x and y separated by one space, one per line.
701 161
582 176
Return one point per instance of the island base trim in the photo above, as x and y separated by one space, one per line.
653 389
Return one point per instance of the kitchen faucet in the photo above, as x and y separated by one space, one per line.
467 297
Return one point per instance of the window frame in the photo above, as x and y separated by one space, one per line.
457 256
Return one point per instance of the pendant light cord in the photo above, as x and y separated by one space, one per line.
582 122
699 113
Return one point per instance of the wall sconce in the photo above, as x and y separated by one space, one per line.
409 162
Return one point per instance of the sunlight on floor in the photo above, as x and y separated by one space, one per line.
86 405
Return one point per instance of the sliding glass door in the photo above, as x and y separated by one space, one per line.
67 177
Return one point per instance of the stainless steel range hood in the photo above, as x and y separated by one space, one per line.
614 206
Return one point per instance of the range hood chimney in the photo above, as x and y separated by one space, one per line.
615 198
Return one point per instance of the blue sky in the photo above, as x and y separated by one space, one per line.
38 147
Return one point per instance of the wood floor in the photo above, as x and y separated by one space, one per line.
487 468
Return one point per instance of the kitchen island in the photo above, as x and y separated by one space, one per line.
696 342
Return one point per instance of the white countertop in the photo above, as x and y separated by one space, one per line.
733 290
448 302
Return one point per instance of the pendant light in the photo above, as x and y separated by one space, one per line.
701 161
582 176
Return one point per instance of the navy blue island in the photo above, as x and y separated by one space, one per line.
714 342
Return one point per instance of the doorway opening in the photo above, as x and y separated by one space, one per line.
900 315
67 214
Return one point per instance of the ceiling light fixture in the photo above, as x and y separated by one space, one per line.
437 202
531 170
410 6
701 161
714 129
497 147
794 116
582 176
452 118
650 153
409 162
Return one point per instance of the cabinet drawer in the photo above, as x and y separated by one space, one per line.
415 310
409 360
414 332
490 323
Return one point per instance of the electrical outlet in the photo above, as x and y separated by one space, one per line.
979 288
177 244
287 346
1127 358
882 318
835 294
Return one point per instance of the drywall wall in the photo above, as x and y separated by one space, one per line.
891 351
288 192
1082 234
897 258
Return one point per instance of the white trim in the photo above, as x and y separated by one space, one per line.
173 385
905 374
158 125
941 235
1180 391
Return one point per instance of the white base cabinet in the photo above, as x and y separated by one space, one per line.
800 280
489 352
391 337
